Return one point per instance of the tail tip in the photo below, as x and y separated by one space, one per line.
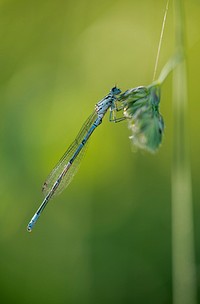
29 229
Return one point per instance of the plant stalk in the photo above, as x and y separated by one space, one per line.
183 256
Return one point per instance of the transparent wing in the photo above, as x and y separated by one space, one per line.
53 176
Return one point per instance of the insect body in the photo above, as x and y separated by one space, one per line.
62 174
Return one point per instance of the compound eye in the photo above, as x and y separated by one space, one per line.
115 90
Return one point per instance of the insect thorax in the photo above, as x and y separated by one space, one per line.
103 105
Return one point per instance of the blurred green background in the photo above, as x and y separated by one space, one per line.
107 238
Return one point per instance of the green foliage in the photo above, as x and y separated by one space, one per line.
141 108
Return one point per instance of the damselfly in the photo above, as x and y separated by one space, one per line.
62 174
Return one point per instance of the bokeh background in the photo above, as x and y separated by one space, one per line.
107 238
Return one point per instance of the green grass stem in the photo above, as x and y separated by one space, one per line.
183 257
